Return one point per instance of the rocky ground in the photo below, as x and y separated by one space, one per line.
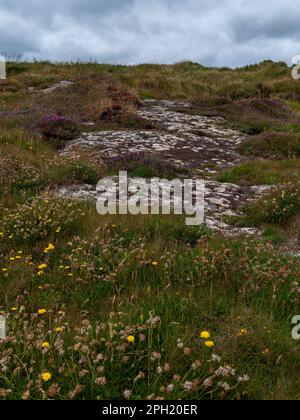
200 144
189 141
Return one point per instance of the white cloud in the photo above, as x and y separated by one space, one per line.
227 33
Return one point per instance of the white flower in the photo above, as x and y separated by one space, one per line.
170 388
225 371
196 365
225 386
127 394
188 386
180 344
100 381
244 378
99 358
156 355
153 320
215 358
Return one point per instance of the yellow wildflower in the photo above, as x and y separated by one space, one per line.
58 329
243 332
131 339
42 311
49 248
46 376
45 344
205 335
209 344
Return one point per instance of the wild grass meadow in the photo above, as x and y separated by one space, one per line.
144 307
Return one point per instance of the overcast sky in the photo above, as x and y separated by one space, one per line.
211 32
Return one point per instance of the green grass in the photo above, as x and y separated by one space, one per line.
272 146
277 207
183 80
263 172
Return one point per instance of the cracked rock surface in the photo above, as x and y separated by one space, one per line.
198 143
220 200
189 141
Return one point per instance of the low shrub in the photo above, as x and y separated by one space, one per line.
272 145
70 171
142 165
276 207
57 129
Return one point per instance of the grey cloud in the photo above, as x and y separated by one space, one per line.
284 25
227 33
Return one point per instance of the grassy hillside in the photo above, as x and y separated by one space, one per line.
145 307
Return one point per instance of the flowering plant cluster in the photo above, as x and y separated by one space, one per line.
108 360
